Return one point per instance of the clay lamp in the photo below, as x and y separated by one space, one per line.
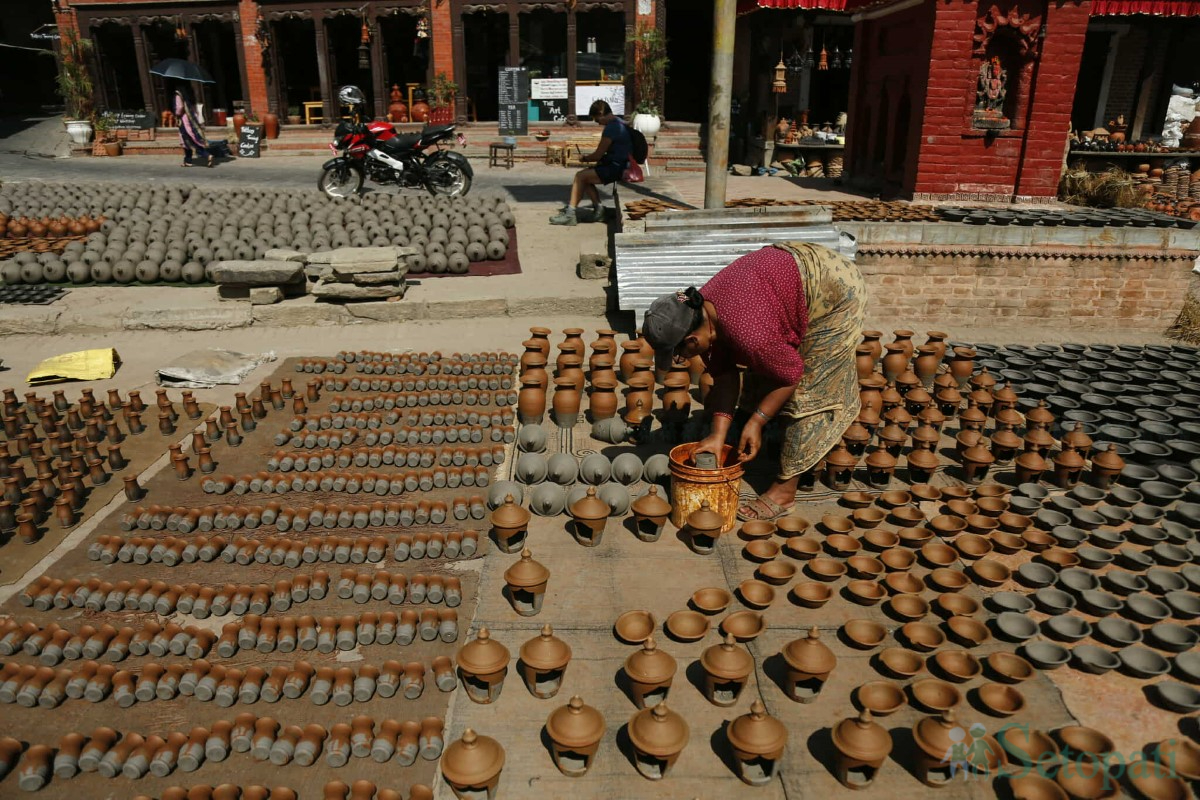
972 545
1038 441
908 516
1068 467
841 545
650 672
922 636
880 466
1009 667
791 526
1183 754
862 746
966 439
881 539
956 605
1081 740
482 666
989 572
756 594
864 634
908 607
826 569
744 625
472 766
900 662
839 468
976 461
650 513
967 631
757 529
864 567
575 731
757 740
915 537
1106 467
973 418
1005 445
658 736
811 594
898 560
727 668
544 660
934 739
590 516
802 547
934 695
865 592
1037 541
856 438
1057 557
956 665
712 600
949 400
1077 439
761 550
634 627
776 573
510 523
686 625
903 583
1002 701
856 499
704 527
939 554
867 518
525 585
808 664
832 523
1014 523
1039 417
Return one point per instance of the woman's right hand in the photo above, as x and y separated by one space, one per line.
710 444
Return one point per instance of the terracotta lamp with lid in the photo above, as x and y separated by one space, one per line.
704 528
543 663
650 513
658 736
472 766
510 523
650 672
809 662
758 740
525 585
482 667
935 737
727 668
589 517
862 745
575 731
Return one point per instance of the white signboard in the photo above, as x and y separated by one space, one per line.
612 93
548 89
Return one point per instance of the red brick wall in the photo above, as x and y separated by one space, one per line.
255 77
442 39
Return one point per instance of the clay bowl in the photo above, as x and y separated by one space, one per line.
1006 542
956 605
826 569
956 493
633 627
776 572
1035 575
1009 667
1100 604
1037 541
915 537
811 594
1032 786
903 583
908 607
938 554
880 697
922 636
1013 522
989 572
967 631
1093 557
948 580
1187 666
1093 659
1106 538
1016 627
924 491
757 528
864 567
1078 580
1067 628
900 662
756 594
992 506
687 626
898 560
744 625
895 498
881 539
990 490
841 545
867 518
962 508
1059 558
791 526
1172 637
1162 581
832 523
711 600
1082 739
856 499
948 525
865 592
971 545
908 516
1184 604
1118 632
981 524
1000 700
1028 747
1159 784
1145 608
761 550
864 634
956 665
802 547
1045 655
934 695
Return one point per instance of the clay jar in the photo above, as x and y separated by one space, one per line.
937 340
573 368
871 340
704 528
726 667
566 402
650 514
510 523
758 740
933 738
809 663
1106 466
603 403
543 663
1068 466
862 745
926 365
677 395
839 468
575 731
482 666
536 370
895 362
864 361
531 401
472 766
650 672
976 461
640 392
631 354
589 516
962 365
658 736
541 336
870 393
525 585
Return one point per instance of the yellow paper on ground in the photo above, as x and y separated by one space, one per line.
85 365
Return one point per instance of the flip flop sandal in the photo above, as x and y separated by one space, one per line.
757 506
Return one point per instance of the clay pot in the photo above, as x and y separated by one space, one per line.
895 362
864 360
544 660
510 523
922 465
880 466
871 339
525 585
839 468
976 461
631 354
862 745
704 527
933 738
658 736
809 663
531 401
726 667
472 766
1068 466
575 731
603 403
566 402
926 365
482 666
1106 468
590 516
1029 467
650 513
650 672
757 740
962 365
677 396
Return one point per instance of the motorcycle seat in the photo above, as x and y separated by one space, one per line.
400 142
434 132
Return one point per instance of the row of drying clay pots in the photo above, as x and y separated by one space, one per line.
352 483
203 601
54 644
374 457
171 551
565 469
592 510
470 391
111 753
403 433
329 516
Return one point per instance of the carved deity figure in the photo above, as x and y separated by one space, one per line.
990 95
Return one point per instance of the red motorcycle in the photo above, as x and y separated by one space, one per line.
375 150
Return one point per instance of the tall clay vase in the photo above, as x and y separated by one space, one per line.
603 402
575 732
937 340
870 393
862 745
904 339
758 740
871 339
926 365
472 766
543 663
531 401
895 362
864 361
962 365
271 125
542 337
566 402
631 354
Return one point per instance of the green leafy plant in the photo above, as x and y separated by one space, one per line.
293 111
442 91
74 79
650 64
103 125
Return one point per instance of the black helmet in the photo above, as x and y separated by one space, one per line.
350 95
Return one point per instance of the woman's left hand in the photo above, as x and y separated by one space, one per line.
750 441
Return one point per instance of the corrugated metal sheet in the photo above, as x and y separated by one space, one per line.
686 249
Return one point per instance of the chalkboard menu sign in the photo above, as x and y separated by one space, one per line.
514 101
250 141
132 120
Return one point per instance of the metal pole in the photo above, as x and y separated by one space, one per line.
720 92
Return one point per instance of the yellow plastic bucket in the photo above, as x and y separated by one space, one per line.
691 486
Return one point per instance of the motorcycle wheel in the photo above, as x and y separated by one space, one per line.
341 180
444 177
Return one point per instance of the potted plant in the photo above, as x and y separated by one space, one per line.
650 65
106 138
75 86
441 98
293 115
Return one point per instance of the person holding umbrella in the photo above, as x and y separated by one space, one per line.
191 129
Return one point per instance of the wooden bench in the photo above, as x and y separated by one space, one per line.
578 147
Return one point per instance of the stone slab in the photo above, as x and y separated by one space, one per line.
594 266
255 273
284 254
189 319
17 321
350 291
360 255
393 278
357 268
265 295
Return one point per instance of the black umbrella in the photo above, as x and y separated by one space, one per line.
181 70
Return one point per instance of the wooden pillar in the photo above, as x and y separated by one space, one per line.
143 62
323 73
100 88
514 36
276 86
572 51
378 66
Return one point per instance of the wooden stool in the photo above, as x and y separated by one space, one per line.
556 154
314 112
498 151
